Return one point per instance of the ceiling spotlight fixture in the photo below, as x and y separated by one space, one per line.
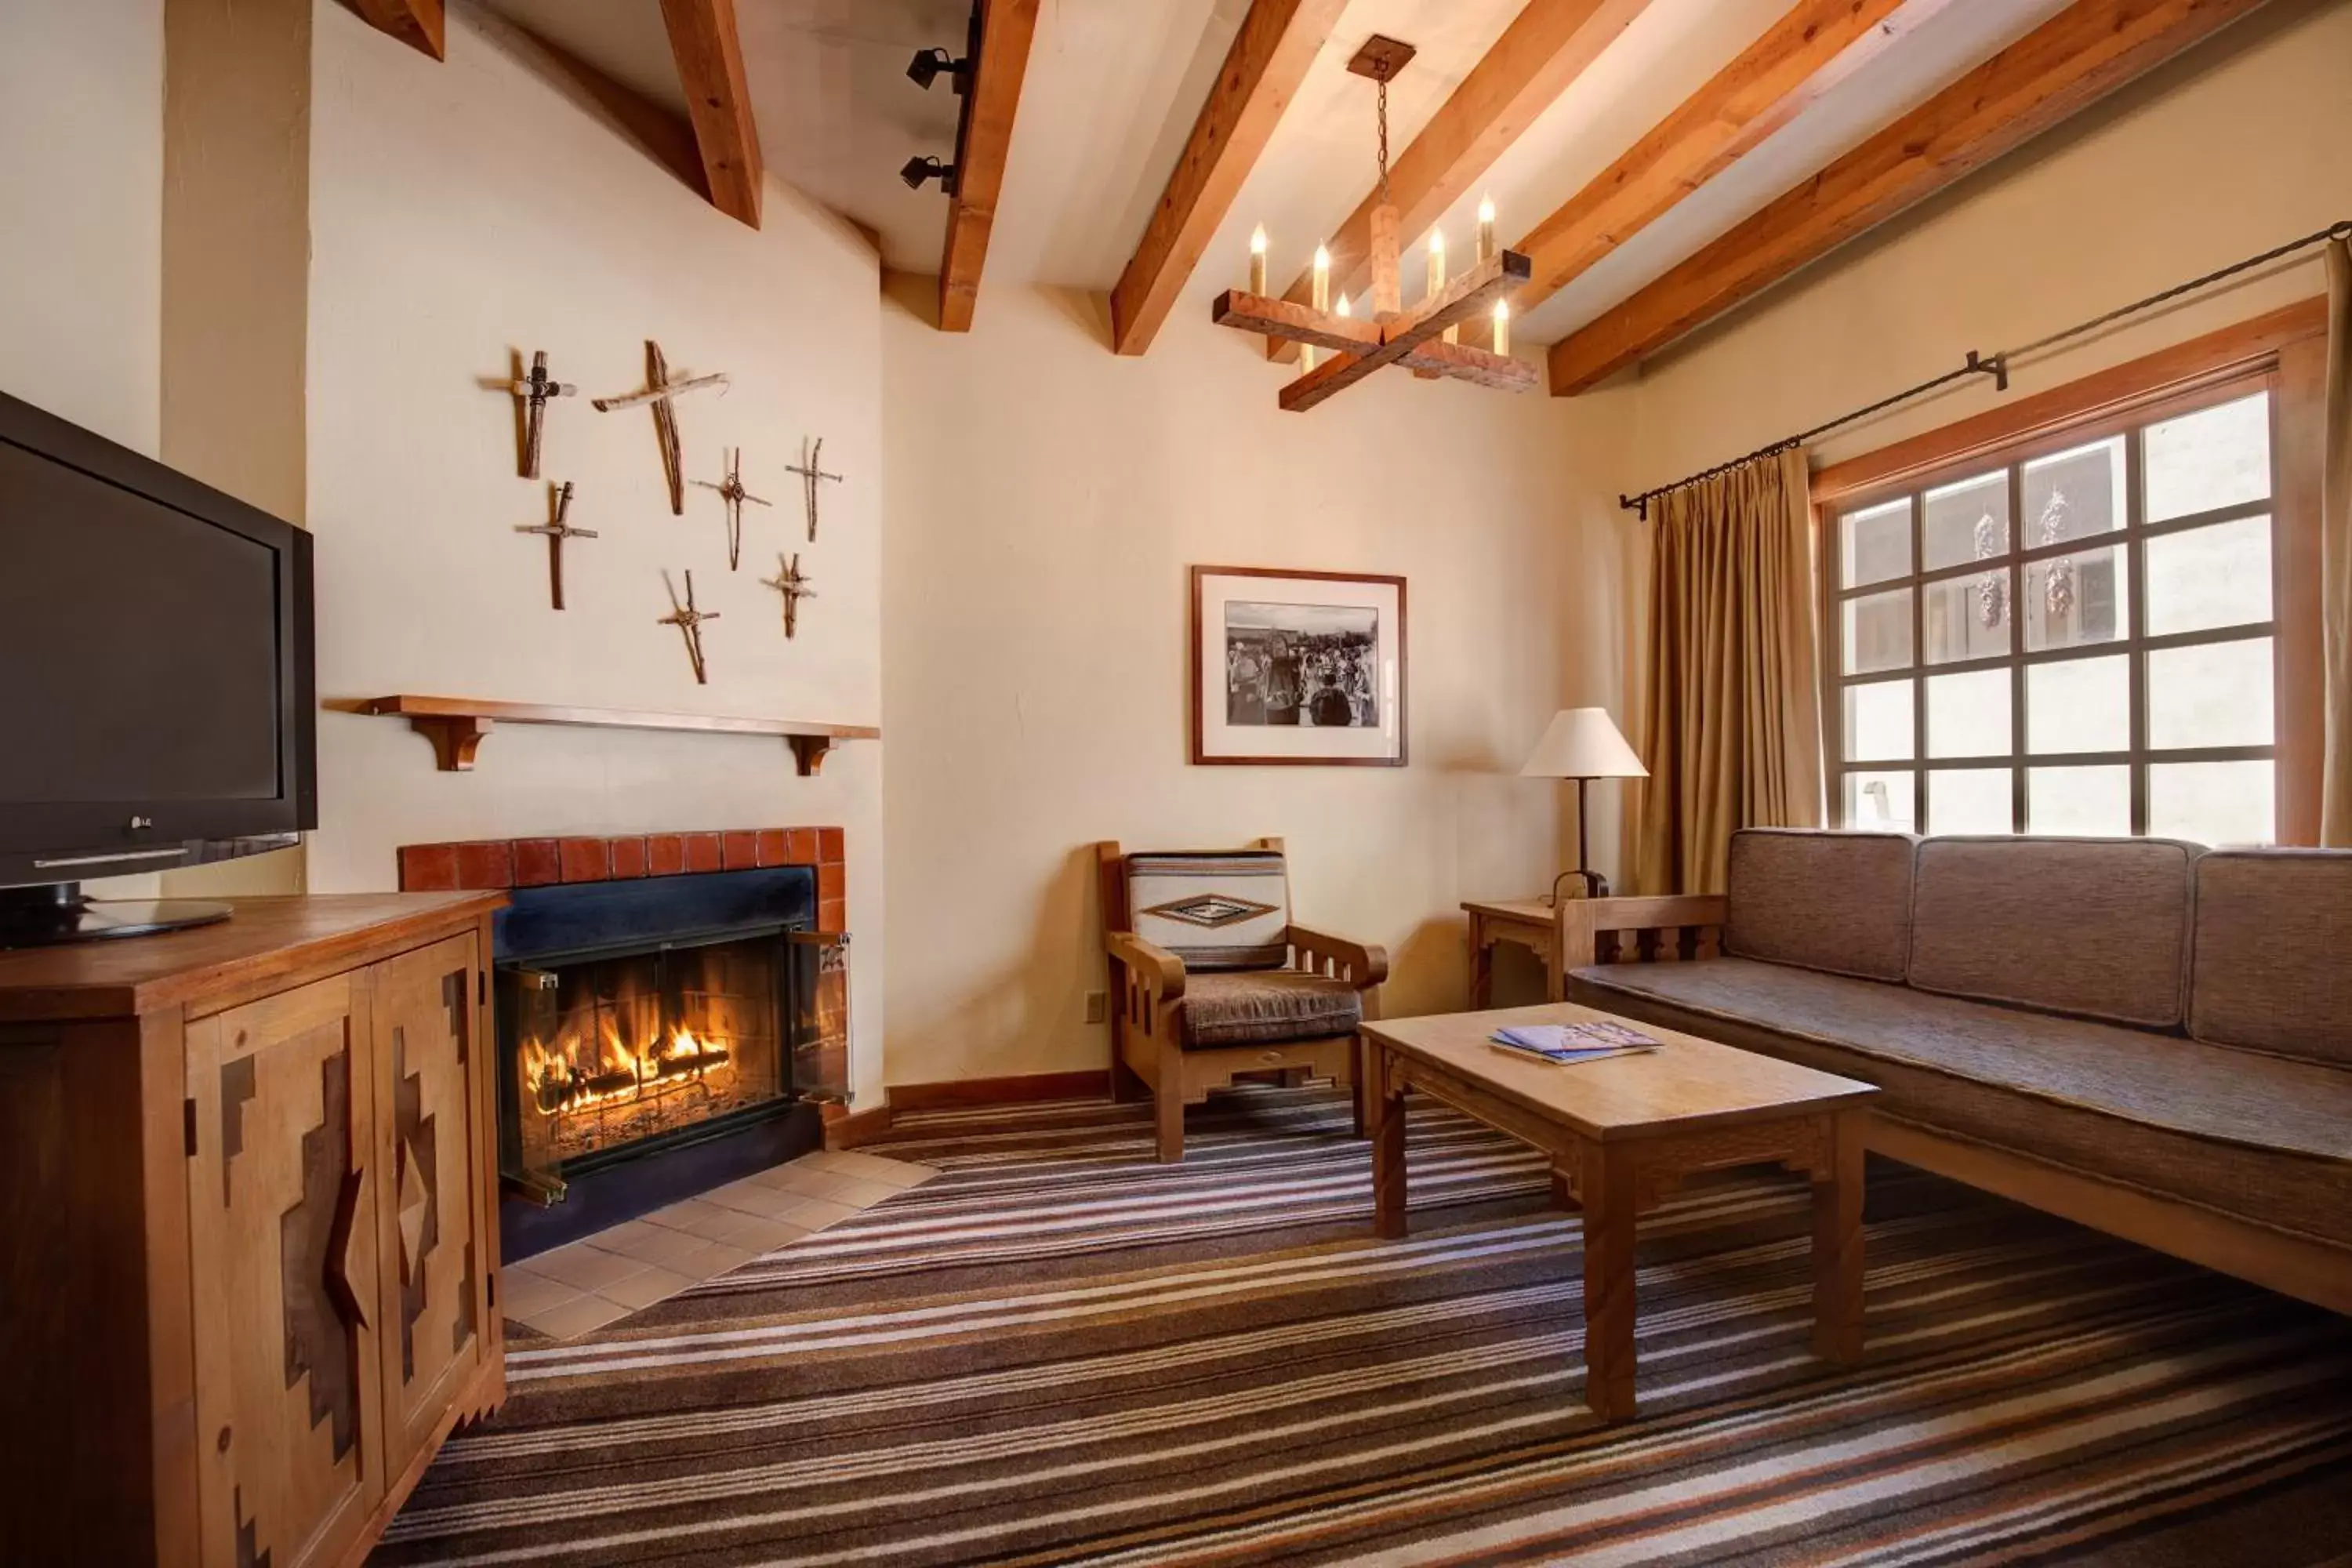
916 170
928 65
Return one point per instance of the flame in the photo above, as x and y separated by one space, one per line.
583 1076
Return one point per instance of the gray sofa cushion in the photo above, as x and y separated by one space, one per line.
2271 966
2095 927
1833 902
2257 1136
1265 1006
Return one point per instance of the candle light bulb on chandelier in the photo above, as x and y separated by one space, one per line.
1486 228
1322 297
1502 326
1437 270
1257 260
1342 307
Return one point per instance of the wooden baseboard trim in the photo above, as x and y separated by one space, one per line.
851 1128
2309 1271
1090 1084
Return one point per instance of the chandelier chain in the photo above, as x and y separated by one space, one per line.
1384 138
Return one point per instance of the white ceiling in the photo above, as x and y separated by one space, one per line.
1113 86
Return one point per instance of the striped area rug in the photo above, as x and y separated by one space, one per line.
1059 1351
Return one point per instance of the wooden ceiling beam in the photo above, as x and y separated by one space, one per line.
2071 61
1815 45
422 25
1277 42
1006 29
1539 55
710 56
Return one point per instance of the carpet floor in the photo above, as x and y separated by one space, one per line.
1059 1351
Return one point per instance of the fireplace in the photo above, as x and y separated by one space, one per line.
659 1036
640 1048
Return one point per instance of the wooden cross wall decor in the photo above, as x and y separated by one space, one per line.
659 389
789 582
811 474
1392 335
733 492
534 390
557 531
688 621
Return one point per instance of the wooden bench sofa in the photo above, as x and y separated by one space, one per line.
2137 1035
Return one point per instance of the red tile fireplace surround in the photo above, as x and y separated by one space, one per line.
492 863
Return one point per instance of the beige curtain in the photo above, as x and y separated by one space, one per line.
1733 726
2335 555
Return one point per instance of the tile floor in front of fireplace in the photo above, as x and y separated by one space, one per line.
602 1278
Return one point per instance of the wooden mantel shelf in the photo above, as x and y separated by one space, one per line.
455 725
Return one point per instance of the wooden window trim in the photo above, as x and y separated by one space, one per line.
2283 352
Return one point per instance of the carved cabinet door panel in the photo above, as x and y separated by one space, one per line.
435 1147
281 1191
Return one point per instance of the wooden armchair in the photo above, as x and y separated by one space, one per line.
1261 995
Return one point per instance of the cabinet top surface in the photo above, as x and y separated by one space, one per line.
265 936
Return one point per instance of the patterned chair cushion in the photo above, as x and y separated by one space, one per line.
2096 927
2273 960
2257 1136
1264 1007
1213 911
1840 902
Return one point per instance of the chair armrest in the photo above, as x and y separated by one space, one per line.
1156 969
1362 964
1642 930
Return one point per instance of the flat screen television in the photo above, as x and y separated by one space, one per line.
156 683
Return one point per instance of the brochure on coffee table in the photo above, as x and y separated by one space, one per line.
1563 1043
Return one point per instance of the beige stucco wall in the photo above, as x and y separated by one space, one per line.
1004 577
460 211
2223 153
81 221
82 122
1046 499
2234 147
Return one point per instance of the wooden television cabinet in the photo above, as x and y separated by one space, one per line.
248 1216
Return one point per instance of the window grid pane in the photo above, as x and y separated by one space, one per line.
2117 722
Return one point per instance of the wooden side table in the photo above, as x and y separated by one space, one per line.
1530 923
1577 931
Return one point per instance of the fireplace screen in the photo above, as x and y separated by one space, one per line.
611 1056
615 1051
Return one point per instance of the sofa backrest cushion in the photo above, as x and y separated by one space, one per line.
1225 910
2273 963
1838 903
2094 927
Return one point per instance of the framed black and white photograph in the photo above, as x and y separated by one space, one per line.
1298 667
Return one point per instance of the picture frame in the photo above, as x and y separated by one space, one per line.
1295 668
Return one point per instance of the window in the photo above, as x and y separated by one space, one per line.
2074 637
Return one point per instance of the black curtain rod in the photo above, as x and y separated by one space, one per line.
1994 366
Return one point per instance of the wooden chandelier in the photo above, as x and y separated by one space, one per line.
1414 340
1391 334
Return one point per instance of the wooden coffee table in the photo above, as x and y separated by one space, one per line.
1621 1134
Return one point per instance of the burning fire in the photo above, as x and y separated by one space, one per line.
583 1077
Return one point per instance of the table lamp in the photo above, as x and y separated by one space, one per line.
1582 743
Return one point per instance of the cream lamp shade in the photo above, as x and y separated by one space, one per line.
1583 743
